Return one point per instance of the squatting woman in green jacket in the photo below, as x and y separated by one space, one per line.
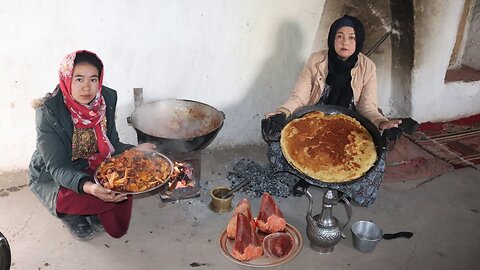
75 132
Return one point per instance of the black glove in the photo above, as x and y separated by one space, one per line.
272 126
392 134
408 125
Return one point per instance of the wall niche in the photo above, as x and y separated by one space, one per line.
465 59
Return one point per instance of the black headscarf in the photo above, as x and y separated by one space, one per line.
339 71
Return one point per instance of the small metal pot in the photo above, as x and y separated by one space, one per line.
219 204
366 235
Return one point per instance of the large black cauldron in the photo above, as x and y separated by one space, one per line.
177 125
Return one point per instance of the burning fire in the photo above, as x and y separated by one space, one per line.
182 176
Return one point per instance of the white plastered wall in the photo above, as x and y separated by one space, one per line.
471 54
241 57
436 24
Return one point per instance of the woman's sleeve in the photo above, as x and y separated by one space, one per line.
301 93
55 154
367 104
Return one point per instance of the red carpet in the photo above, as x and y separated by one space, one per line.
456 142
407 161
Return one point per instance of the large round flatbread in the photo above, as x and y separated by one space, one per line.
331 148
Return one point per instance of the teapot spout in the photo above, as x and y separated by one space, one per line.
310 219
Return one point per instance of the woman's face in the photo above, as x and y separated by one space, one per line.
84 83
345 43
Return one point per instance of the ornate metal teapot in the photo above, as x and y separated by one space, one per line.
324 230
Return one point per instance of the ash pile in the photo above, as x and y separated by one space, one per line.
263 179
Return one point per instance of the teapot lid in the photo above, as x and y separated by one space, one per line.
330 197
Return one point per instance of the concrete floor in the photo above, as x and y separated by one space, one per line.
443 214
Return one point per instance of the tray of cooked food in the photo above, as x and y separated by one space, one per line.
134 172
265 241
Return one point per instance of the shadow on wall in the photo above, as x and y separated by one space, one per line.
402 56
126 132
269 89
374 14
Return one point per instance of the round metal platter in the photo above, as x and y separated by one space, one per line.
153 153
330 110
226 246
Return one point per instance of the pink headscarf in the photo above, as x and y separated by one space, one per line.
86 116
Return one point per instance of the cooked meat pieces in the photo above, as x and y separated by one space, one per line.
133 171
244 208
279 245
270 219
247 246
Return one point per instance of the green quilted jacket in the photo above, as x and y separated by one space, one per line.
51 165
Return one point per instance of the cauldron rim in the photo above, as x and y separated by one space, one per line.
217 127
186 144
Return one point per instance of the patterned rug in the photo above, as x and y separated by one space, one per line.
407 161
456 142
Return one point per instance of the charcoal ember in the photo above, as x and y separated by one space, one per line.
263 179
277 161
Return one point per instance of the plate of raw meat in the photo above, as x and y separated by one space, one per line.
265 241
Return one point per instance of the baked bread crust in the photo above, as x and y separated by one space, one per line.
332 148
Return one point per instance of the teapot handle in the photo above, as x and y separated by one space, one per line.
348 208
300 188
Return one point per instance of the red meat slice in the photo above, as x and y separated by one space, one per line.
270 219
247 246
244 208
278 245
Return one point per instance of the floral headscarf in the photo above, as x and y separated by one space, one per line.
86 116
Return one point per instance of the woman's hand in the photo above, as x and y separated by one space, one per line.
102 193
389 124
145 147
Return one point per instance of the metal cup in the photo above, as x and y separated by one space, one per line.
219 204
366 235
